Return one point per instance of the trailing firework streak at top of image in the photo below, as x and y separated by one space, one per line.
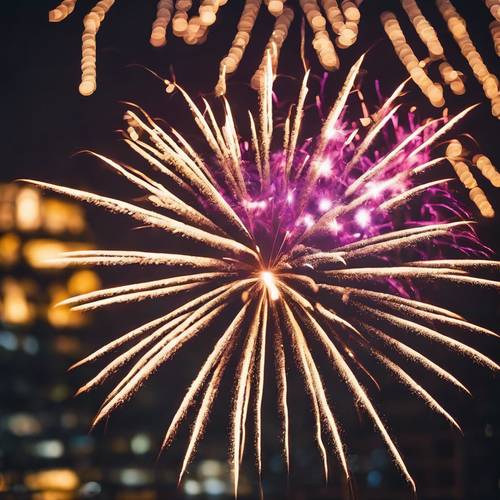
335 25
326 244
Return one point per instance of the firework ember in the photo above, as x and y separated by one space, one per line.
329 21
457 26
299 250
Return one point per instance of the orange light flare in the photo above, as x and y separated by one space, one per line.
269 280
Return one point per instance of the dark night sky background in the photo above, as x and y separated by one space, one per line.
45 121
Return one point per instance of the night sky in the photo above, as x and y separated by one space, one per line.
46 122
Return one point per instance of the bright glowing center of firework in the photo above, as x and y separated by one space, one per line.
268 278
324 204
363 217
325 168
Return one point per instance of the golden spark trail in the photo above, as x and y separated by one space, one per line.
344 18
214 358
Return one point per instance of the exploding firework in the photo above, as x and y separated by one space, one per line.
297 248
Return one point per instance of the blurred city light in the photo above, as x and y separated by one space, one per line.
192 487
28 209
140 444
90 489
214 486
15 307
374 479
211 468
53 479
10 245
23 424
8 340
50 448
37 229
135 477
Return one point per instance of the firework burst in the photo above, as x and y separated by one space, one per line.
296 247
